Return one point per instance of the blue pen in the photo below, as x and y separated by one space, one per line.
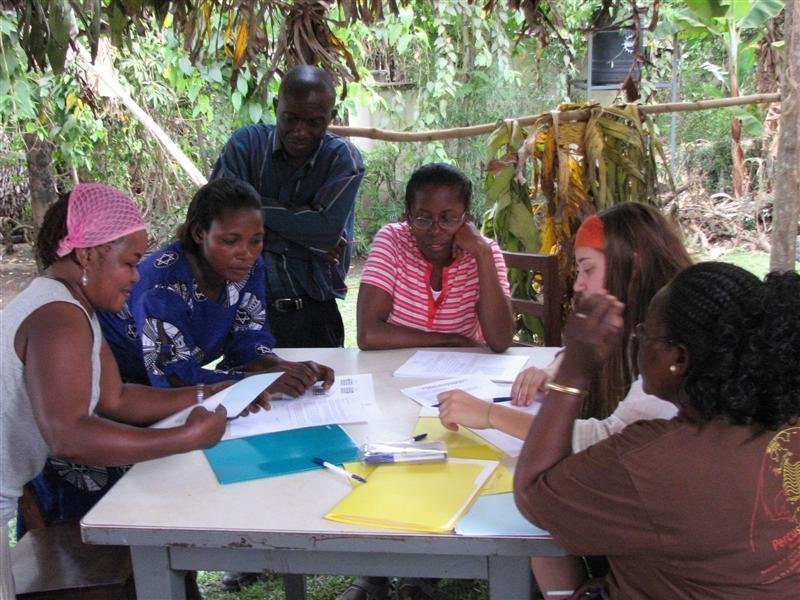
417 438
339 470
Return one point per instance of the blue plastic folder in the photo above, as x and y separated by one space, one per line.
279 453
497 515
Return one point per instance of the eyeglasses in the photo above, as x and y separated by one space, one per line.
640 335
447 223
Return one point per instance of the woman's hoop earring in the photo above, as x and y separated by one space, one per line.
673 369
84 278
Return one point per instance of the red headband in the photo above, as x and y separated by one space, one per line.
590 234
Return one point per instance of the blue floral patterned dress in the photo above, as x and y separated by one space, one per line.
167 328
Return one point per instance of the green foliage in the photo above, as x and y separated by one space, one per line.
735 27
328 588
465 69
382 194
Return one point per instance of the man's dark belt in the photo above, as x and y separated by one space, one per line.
289 304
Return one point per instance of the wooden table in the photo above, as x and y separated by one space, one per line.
176 517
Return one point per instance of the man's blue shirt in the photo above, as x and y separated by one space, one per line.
306 210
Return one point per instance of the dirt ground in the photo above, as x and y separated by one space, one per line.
16 270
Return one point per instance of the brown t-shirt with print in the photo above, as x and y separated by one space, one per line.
683 509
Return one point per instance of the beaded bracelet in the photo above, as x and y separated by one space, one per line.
200 391
565 389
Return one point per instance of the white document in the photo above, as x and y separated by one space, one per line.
477 385
351 399
435 364
234 398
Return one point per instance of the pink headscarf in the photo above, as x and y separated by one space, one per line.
97 214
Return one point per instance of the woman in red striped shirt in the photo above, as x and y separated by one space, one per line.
433 279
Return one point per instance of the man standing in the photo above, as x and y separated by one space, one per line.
308 180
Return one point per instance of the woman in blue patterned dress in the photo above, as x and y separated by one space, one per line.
199 299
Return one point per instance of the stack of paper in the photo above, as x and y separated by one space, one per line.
426 497
435 364
351 399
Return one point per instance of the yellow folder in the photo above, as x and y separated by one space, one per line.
466 444
416 497
460 444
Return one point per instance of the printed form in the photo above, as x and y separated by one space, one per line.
351 399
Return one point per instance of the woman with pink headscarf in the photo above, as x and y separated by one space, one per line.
61 389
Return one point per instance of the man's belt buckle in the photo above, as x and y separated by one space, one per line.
287 304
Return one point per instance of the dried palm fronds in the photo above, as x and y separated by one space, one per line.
305 38
575 168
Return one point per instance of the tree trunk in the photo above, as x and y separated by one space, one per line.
738 173
786 206
40 174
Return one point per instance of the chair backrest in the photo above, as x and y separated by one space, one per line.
549 310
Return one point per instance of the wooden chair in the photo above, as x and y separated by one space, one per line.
51 562
549 310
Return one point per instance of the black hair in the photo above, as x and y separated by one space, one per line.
743 338
52 231
438 175
305 78
210 201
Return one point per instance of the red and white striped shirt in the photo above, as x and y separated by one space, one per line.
397 266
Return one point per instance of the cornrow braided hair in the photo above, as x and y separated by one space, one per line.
743 338
52 231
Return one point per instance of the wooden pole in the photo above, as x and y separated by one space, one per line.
786 203
581 114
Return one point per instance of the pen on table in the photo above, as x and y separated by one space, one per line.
416 438
339 470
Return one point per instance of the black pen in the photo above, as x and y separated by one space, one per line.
417 438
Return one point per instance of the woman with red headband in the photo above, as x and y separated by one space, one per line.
61 389
630 251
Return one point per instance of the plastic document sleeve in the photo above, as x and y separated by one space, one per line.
415 497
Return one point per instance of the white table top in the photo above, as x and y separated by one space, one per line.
177 499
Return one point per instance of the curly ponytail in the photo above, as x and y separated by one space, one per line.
52 231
